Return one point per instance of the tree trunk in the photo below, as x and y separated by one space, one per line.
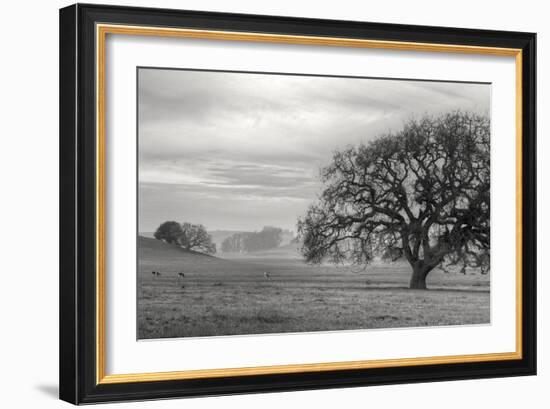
418 278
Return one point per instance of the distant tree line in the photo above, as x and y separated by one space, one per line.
186 235
246 242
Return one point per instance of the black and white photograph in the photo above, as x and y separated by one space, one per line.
276 203
279 203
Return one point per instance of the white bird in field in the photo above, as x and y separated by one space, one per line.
267 276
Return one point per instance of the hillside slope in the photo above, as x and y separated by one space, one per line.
155 254
168 259
149 245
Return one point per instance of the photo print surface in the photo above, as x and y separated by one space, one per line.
280 203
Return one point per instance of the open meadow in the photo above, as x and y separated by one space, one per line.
232 296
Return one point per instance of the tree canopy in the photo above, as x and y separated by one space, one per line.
170 232
422 193
186 235
195 237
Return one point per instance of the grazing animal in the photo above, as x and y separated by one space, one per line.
267 276
181 275
154 273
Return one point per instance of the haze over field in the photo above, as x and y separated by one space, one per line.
220 296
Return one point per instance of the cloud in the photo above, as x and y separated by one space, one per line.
244 140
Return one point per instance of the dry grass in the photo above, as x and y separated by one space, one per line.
228 297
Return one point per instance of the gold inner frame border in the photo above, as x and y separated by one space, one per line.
102 30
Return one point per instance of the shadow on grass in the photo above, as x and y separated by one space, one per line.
431 289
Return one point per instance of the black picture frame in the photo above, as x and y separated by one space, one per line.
78 238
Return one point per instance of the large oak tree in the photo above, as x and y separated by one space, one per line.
422 193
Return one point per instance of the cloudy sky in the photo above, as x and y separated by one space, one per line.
238 151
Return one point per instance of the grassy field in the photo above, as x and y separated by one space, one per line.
228 296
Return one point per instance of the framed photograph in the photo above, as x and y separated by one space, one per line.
257 203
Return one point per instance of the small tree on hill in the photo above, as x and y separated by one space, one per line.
195 237
170 232
186 235
422 193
